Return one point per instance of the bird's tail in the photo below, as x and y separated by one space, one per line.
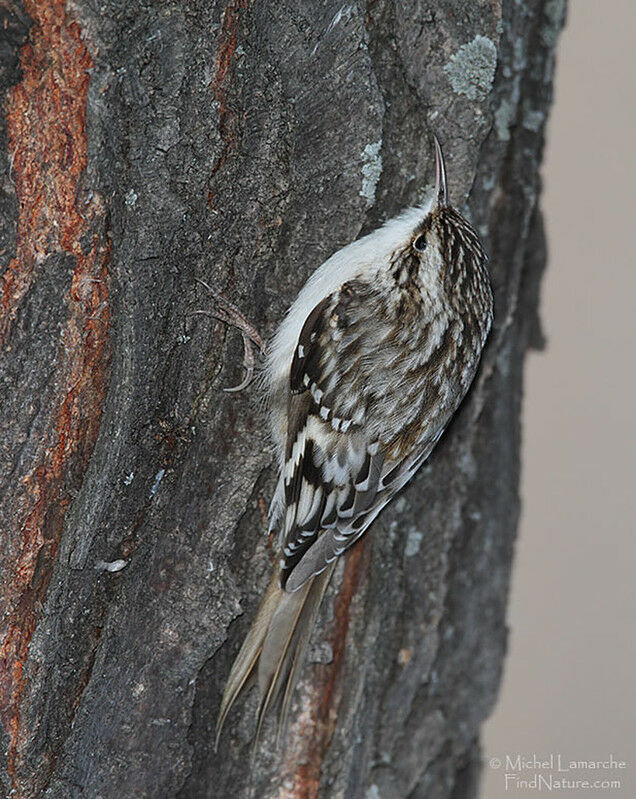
274 648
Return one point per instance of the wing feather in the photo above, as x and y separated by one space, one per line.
339 473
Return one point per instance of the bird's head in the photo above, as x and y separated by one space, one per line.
431 246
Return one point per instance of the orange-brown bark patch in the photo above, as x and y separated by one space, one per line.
302 776
228 120
45 115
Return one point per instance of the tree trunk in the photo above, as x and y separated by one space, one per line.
147 144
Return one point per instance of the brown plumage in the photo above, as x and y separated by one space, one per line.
365 372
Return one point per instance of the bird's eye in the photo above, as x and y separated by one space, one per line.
420 243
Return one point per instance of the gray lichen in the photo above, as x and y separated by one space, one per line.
413 542
555 13
532 119
371 171
504 116
471 70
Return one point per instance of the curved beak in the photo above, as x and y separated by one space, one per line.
441 192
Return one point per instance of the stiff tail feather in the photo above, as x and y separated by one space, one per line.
275 647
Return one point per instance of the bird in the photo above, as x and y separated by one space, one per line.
363 375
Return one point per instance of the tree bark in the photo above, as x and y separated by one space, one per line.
147 144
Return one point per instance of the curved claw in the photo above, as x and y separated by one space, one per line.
248 363
249 376
230 315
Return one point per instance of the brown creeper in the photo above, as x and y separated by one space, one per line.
365 372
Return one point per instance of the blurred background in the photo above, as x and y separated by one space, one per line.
568 686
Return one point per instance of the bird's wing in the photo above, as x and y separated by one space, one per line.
348 452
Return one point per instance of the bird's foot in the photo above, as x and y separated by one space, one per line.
230 315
